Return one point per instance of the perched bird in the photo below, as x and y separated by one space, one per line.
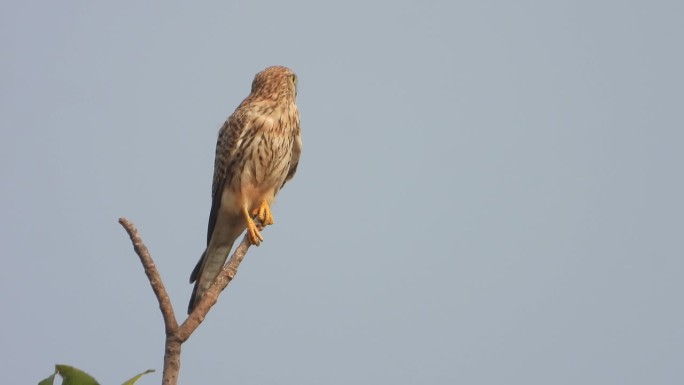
257 151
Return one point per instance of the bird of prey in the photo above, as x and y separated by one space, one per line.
257 152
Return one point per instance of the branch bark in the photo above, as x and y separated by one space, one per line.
175 334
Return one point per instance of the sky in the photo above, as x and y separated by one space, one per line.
490 192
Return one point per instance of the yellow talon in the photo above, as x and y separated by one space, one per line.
263 212
254 235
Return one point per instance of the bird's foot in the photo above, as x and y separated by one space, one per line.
263 212
255 236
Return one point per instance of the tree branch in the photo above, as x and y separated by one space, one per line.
170 323
175 335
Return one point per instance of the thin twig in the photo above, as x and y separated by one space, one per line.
152 273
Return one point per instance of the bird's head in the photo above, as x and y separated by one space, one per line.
275 82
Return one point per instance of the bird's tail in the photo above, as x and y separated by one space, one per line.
208 267
196 292
226 229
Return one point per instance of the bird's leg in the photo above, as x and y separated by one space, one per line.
254 234
263 212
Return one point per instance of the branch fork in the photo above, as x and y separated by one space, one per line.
177 334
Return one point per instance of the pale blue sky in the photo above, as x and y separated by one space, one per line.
489 193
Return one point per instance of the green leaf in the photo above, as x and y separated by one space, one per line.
73 376
134 379
49 380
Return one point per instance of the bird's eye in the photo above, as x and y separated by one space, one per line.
294 79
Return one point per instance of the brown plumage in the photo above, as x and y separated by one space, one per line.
257 151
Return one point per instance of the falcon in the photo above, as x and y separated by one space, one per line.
257 152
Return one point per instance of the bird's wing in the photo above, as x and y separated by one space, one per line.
228 141
294 159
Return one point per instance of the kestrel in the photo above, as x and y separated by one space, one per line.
257 151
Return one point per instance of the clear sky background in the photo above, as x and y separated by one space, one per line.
489 193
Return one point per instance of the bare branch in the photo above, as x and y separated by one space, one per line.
152 273
211 296
175 335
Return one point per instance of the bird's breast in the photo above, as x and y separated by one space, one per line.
266 160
